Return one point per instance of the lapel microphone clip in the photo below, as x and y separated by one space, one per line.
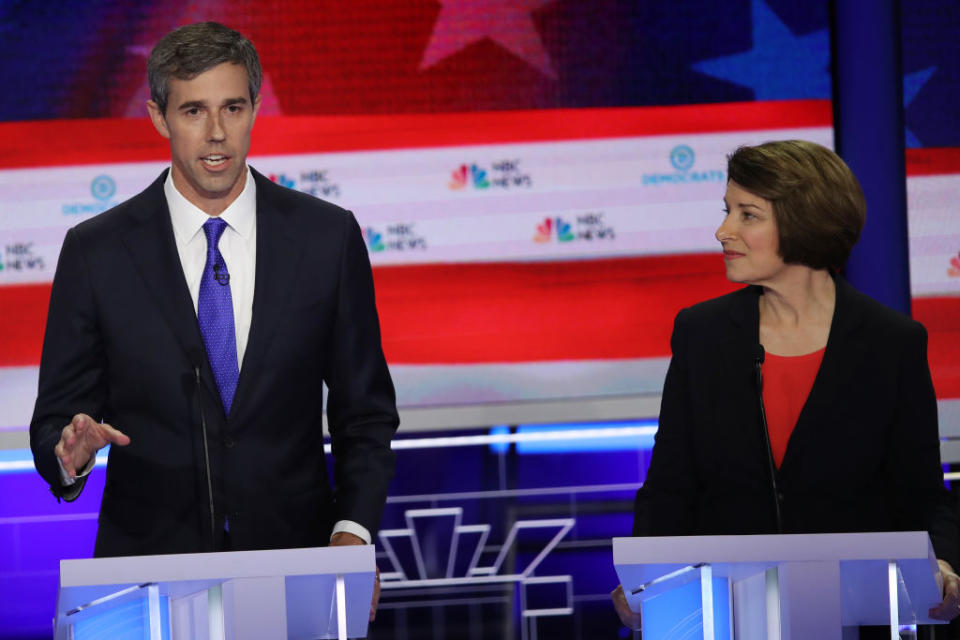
223 279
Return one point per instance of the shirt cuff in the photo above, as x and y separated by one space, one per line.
349 526
65 478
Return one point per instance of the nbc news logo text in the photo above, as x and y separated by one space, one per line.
505 174
394 237
588 227
19 256
317 183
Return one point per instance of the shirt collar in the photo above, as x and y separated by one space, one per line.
188 219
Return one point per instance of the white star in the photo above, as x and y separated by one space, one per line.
506 22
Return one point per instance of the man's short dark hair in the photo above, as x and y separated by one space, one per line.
817 202
188 51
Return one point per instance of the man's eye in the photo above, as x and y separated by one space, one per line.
193 112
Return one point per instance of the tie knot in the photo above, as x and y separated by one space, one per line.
213 228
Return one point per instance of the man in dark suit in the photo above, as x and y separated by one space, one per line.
193 327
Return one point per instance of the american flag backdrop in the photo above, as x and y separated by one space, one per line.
538 180
538 183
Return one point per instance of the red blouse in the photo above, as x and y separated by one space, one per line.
787 381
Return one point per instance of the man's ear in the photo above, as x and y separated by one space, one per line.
158 118
256 105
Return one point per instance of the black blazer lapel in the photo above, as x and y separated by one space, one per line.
738 351
741 340
279 250
152 248
843 353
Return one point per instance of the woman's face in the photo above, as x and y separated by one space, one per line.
749 237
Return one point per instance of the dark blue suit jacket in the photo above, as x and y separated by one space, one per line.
121 343
865 452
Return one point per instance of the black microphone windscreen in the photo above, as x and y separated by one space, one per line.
759 353
196 357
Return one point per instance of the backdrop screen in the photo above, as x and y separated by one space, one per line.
538 182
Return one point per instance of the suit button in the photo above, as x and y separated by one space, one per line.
779 493
229 442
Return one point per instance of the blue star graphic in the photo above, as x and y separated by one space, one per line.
780 66
912 83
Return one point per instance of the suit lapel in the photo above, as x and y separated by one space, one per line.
153 250
842 352
739 346
738 352
279 250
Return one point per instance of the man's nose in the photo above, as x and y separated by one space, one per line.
216 131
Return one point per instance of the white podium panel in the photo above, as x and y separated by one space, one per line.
322 592
794 586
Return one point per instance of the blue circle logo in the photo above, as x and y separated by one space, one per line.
681 157
103 187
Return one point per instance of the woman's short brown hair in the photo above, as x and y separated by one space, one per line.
817 201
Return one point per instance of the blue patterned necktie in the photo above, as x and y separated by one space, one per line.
215 314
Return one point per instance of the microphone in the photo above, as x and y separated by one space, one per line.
223 279
758 358
759 355
196 361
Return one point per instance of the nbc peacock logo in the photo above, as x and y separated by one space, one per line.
374 239
466 175
553 226
544 231
954 269
283 180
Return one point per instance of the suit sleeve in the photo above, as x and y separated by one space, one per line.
361 405
913 463
666 503
72 364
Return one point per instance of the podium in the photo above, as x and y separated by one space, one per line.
789 587
322 592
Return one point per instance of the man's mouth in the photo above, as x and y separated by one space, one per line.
214 159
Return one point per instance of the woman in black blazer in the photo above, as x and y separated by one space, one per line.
853 440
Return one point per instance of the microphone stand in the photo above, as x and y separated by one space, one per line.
771 465
206 460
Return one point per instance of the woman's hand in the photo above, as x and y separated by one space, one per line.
629 617
950 607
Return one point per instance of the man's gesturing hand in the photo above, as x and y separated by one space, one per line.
82 438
